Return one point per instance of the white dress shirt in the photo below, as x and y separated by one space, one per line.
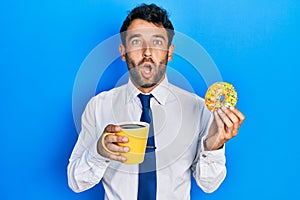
180 121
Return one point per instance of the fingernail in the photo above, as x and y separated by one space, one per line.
124 139
117 128
231 107
123 159
224 108
126 149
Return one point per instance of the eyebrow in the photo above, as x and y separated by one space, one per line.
133 36
140 35
160 36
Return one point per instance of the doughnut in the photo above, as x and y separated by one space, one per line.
220 94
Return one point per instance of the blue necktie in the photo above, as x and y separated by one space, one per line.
147 169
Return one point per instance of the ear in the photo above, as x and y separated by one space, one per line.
122 51
170 52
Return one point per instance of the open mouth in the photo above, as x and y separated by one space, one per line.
147 70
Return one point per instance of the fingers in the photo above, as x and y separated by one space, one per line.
111 145
225 126
112 128
234 121
116 157
230 120
238 114
111 141
113 138
226 123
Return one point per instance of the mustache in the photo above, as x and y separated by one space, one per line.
145 60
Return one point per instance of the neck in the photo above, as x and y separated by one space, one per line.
148 89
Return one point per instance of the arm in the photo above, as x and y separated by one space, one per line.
224 127
89 160
86 167
209 168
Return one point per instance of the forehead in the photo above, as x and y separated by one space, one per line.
145 29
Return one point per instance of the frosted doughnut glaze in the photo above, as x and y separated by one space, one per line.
220 94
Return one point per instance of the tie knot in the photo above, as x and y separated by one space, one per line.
145 100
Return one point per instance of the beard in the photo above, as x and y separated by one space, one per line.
135 71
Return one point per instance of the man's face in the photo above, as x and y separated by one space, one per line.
146 53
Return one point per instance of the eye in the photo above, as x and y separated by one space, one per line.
136 42
157 42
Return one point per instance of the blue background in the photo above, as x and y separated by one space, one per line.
254 43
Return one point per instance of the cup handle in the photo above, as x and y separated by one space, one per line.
104 146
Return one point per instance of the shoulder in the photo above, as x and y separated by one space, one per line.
186 95
192 103
107 96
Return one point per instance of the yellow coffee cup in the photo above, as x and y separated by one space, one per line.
137 134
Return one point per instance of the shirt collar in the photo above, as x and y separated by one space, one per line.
160 92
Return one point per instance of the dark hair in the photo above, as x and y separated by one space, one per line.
150 13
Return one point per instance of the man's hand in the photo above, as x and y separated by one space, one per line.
110 142
225 126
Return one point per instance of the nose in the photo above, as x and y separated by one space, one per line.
147 51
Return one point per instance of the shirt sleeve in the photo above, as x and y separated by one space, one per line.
209 168
86 167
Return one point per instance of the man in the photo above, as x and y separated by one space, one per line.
187 136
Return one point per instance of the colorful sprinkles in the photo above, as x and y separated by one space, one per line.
220 94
